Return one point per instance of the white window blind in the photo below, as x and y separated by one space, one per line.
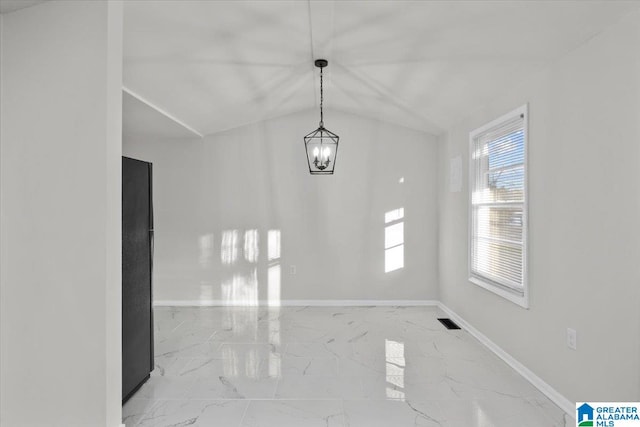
497 241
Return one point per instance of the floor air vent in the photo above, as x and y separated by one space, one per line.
449 324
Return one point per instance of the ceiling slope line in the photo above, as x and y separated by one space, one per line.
161 111
392 99
321 30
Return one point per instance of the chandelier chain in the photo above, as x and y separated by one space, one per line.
321 100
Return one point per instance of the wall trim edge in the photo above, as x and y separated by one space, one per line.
556 397
296 303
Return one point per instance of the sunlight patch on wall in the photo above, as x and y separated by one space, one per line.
394 240
241 260
205 244
394 215
273 250
251 250
229 247
273 280
241 290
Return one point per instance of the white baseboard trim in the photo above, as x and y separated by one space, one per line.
565 404
297 303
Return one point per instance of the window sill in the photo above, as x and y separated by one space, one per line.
521 300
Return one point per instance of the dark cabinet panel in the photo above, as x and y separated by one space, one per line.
137 268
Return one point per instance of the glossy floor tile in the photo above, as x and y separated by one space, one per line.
328 366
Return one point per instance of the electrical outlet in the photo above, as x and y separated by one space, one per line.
572 339
292 269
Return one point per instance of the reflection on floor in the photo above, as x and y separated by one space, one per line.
321 366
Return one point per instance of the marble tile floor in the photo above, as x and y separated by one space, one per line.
329 367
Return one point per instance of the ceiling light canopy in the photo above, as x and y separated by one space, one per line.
321 145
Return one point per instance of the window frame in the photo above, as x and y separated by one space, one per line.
521 299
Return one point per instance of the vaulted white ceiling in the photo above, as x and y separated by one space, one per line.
216 65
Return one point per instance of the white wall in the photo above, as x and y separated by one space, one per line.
332 227
60 220
584 248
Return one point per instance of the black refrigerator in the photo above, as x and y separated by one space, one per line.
137 269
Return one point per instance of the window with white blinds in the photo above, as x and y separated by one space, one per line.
498 206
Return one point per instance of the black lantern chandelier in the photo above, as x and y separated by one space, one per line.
321 144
